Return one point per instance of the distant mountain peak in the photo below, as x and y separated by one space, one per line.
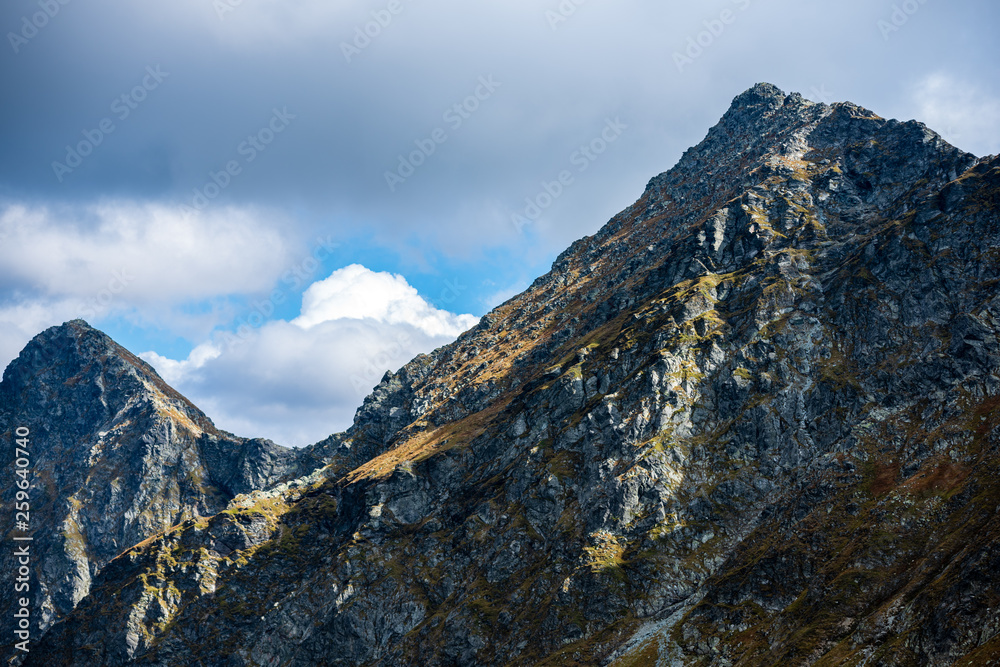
754 420
117 455
765 95
75 352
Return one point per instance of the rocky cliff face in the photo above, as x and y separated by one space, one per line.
754 420
116 456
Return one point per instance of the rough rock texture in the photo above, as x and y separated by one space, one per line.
754 420
116 456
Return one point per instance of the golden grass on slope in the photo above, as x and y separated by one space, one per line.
427 443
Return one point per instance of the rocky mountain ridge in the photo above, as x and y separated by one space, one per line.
753 420
117 456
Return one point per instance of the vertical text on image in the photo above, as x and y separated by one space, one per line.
22 538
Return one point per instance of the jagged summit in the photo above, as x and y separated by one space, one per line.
760 99
117 455
60 357
763 99
754 420
761 93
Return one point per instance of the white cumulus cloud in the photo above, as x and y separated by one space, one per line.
142 261
297 382
355 292
143 252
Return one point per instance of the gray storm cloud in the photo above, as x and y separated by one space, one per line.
665 68
167 163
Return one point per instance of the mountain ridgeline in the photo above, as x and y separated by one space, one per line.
754 420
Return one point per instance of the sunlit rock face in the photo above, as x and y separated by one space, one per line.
753 420
115 455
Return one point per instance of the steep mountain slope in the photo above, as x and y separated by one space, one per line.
754 420
116 455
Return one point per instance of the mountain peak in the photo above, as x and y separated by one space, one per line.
122 453
744 423
761 94
55 361
75 338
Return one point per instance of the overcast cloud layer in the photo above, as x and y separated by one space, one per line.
331 177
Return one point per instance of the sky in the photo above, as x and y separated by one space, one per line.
275 201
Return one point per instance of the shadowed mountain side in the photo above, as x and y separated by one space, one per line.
116 456
753 420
